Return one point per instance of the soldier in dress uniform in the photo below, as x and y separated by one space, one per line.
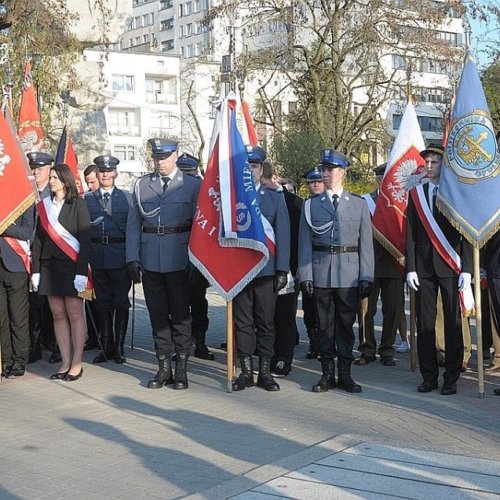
314 183
254 306
159 224
199 304
336 266
389 284
108 207
40 315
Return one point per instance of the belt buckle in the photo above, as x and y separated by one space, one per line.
104 239
333 250
160 230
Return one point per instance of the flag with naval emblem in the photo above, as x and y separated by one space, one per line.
30 127
405 169
228 242
469 185
66 154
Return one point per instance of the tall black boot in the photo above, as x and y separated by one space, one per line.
105 326
245 378
201 350
265 379
345 380
312 353
121 323
327 380
164 374
180 378
35 325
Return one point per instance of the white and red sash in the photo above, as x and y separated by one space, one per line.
22 248
441 244
64 240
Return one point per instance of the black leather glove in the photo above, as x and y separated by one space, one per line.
365 289
135 271
280 280
307 288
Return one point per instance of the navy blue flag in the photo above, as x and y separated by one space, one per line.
469 187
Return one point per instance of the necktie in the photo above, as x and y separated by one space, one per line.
335 201
106 196
165 180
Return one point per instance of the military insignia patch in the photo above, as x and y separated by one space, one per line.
472 151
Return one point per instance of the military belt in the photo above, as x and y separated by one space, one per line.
334 249
105 240
161 230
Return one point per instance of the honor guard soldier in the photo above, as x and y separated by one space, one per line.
159 224
199 303
428 272
108 208
40 316
389 284
336 266
254 306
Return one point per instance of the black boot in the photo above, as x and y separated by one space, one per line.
265 379
201 350
35 325
345 380
245 379
312 353
164 374
327 380
180 379
105 326
121 323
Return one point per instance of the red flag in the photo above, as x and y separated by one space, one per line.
252 135
66 154
17 192
30 127
405 169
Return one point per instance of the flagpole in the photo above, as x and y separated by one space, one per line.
230 357
413 343
479 324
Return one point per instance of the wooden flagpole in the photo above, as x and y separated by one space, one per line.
479 324
230 347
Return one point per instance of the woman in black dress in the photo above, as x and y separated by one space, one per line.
61 254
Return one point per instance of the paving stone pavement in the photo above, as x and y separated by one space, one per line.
108 436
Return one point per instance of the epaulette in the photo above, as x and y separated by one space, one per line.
357 196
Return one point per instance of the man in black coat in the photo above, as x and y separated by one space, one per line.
427 272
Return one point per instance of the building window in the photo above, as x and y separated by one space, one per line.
161 90
196 6
189 29
145 38
123 122
181 10
188 8
190 50
137 22
167 45
137 40
398 62
212 101
427 123
166 4
145 20
124 152
181 31
167 24
292 106
123 83
161 121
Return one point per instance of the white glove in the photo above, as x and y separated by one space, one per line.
482 274
412 281
80 283
35 282
464 280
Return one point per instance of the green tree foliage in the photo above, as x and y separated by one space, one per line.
491 86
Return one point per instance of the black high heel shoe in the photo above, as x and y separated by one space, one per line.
59 375
72 378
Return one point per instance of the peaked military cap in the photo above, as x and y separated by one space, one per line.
162 148
380 169
332 158
255 154
432 148
39 159
106 163
187 162
313 174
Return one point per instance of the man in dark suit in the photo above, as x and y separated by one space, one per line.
14 306
254 306
108 208
158 228
427 272
389 284
336 266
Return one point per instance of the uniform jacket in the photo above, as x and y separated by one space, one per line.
294 207
169 252
385 264
273 208
351 227
22 229
421 256
75 218
110 222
